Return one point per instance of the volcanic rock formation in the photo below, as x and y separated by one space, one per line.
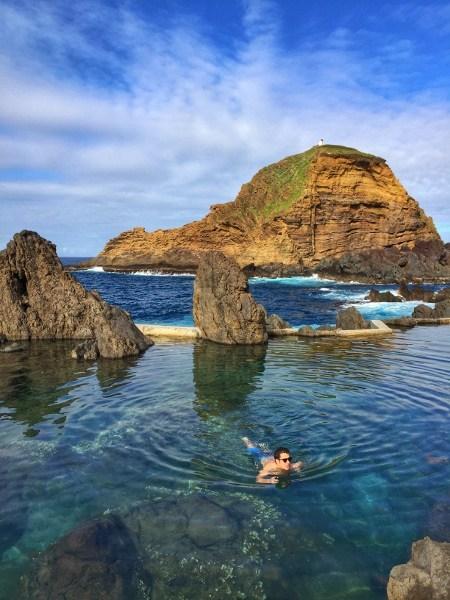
39 300
303 212
224 309
426 576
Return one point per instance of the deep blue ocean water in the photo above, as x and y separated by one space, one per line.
368 418
160 299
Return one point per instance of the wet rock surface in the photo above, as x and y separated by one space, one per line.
426 576
39 300
204 545
196 545
96 561
224 310
350 318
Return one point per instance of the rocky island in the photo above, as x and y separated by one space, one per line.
331 209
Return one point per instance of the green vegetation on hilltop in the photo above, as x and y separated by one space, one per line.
275 188
343 151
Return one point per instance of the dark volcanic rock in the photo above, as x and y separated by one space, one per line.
377 296
350 318
426 576
442 309
422 311
224 309
97 561
39 300
428 259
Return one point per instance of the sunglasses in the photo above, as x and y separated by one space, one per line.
285 460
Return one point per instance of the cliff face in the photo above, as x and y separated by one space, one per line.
305 209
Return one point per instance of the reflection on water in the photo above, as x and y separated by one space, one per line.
36 383
79 439
224 375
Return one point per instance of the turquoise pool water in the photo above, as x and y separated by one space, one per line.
370 419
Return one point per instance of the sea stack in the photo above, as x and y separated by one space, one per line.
224 309
39 300
300 214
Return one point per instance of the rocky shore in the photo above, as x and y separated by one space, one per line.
39 300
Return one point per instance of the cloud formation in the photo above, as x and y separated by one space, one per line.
109 121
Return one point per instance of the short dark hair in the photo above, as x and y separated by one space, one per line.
280 451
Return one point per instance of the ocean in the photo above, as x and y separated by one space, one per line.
369 419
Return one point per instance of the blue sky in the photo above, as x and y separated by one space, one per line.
121 114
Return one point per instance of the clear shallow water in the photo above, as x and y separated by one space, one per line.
167 300
370 420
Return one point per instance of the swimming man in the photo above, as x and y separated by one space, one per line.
272 467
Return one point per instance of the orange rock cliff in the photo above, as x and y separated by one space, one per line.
307 208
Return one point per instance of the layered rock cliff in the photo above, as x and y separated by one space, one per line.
306 209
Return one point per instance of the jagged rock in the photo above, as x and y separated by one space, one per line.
422 311
426 576
350 318
87 350
224 309
14 347
276 322
442 309
96 561
377 296
39 300
298 214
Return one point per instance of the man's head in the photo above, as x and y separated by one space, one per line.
283 458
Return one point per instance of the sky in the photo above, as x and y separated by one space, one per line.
117 114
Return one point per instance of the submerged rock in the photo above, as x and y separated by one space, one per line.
350 318
96 561
426 576
205 545
39 300
224 309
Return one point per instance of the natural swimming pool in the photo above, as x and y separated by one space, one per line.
369 418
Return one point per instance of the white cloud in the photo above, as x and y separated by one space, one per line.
175 124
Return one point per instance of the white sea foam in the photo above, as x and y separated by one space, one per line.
377 310
95 269
159 274
298 281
